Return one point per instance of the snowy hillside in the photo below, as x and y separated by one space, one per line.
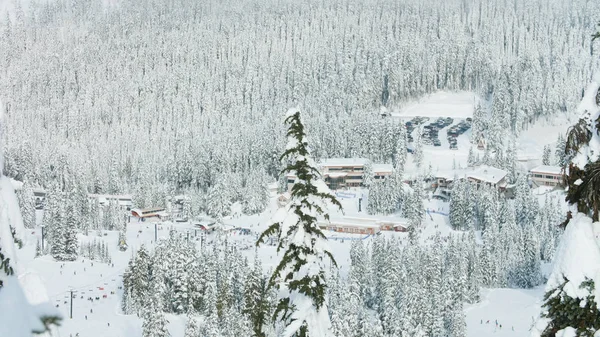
152 185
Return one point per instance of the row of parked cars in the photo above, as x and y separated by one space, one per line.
457 130
431 131
412 124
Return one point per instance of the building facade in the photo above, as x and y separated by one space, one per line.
488 175
546 175
364 224
342 173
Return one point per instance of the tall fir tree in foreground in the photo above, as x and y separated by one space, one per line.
300 275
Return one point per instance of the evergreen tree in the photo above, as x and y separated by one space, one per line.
256 196
368 175
256 304
560 158
27 205
471 161
155 323
71 244
300 275
38 249
563 310
218 201
546 155
418 150
192 328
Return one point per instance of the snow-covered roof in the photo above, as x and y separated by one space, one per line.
383 168
367 221
336 174
487 174
350 222
110 196
39 190
547 169
344 162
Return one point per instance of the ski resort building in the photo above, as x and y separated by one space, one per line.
545 175
124 201
488 175
364 224
341 173
156 212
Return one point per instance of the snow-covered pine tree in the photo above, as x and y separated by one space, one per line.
418 148
218 203
256 195
560 158
256 305
27 205
414 209
368 174
192 328
401 152
457 201
38 249
546 155
471 161
300 275
155 323
71 244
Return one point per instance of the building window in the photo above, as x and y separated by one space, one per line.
359 169
291 181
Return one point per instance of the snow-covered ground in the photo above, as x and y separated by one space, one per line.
515 310
441 104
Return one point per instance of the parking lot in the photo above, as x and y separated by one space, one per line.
430 132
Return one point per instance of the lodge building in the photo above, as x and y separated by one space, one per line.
341 173
546 175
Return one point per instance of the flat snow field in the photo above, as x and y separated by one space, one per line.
440 104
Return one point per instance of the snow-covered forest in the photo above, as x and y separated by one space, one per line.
180 94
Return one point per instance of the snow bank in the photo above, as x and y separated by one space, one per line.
577 257
34 288
568 332
18 316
